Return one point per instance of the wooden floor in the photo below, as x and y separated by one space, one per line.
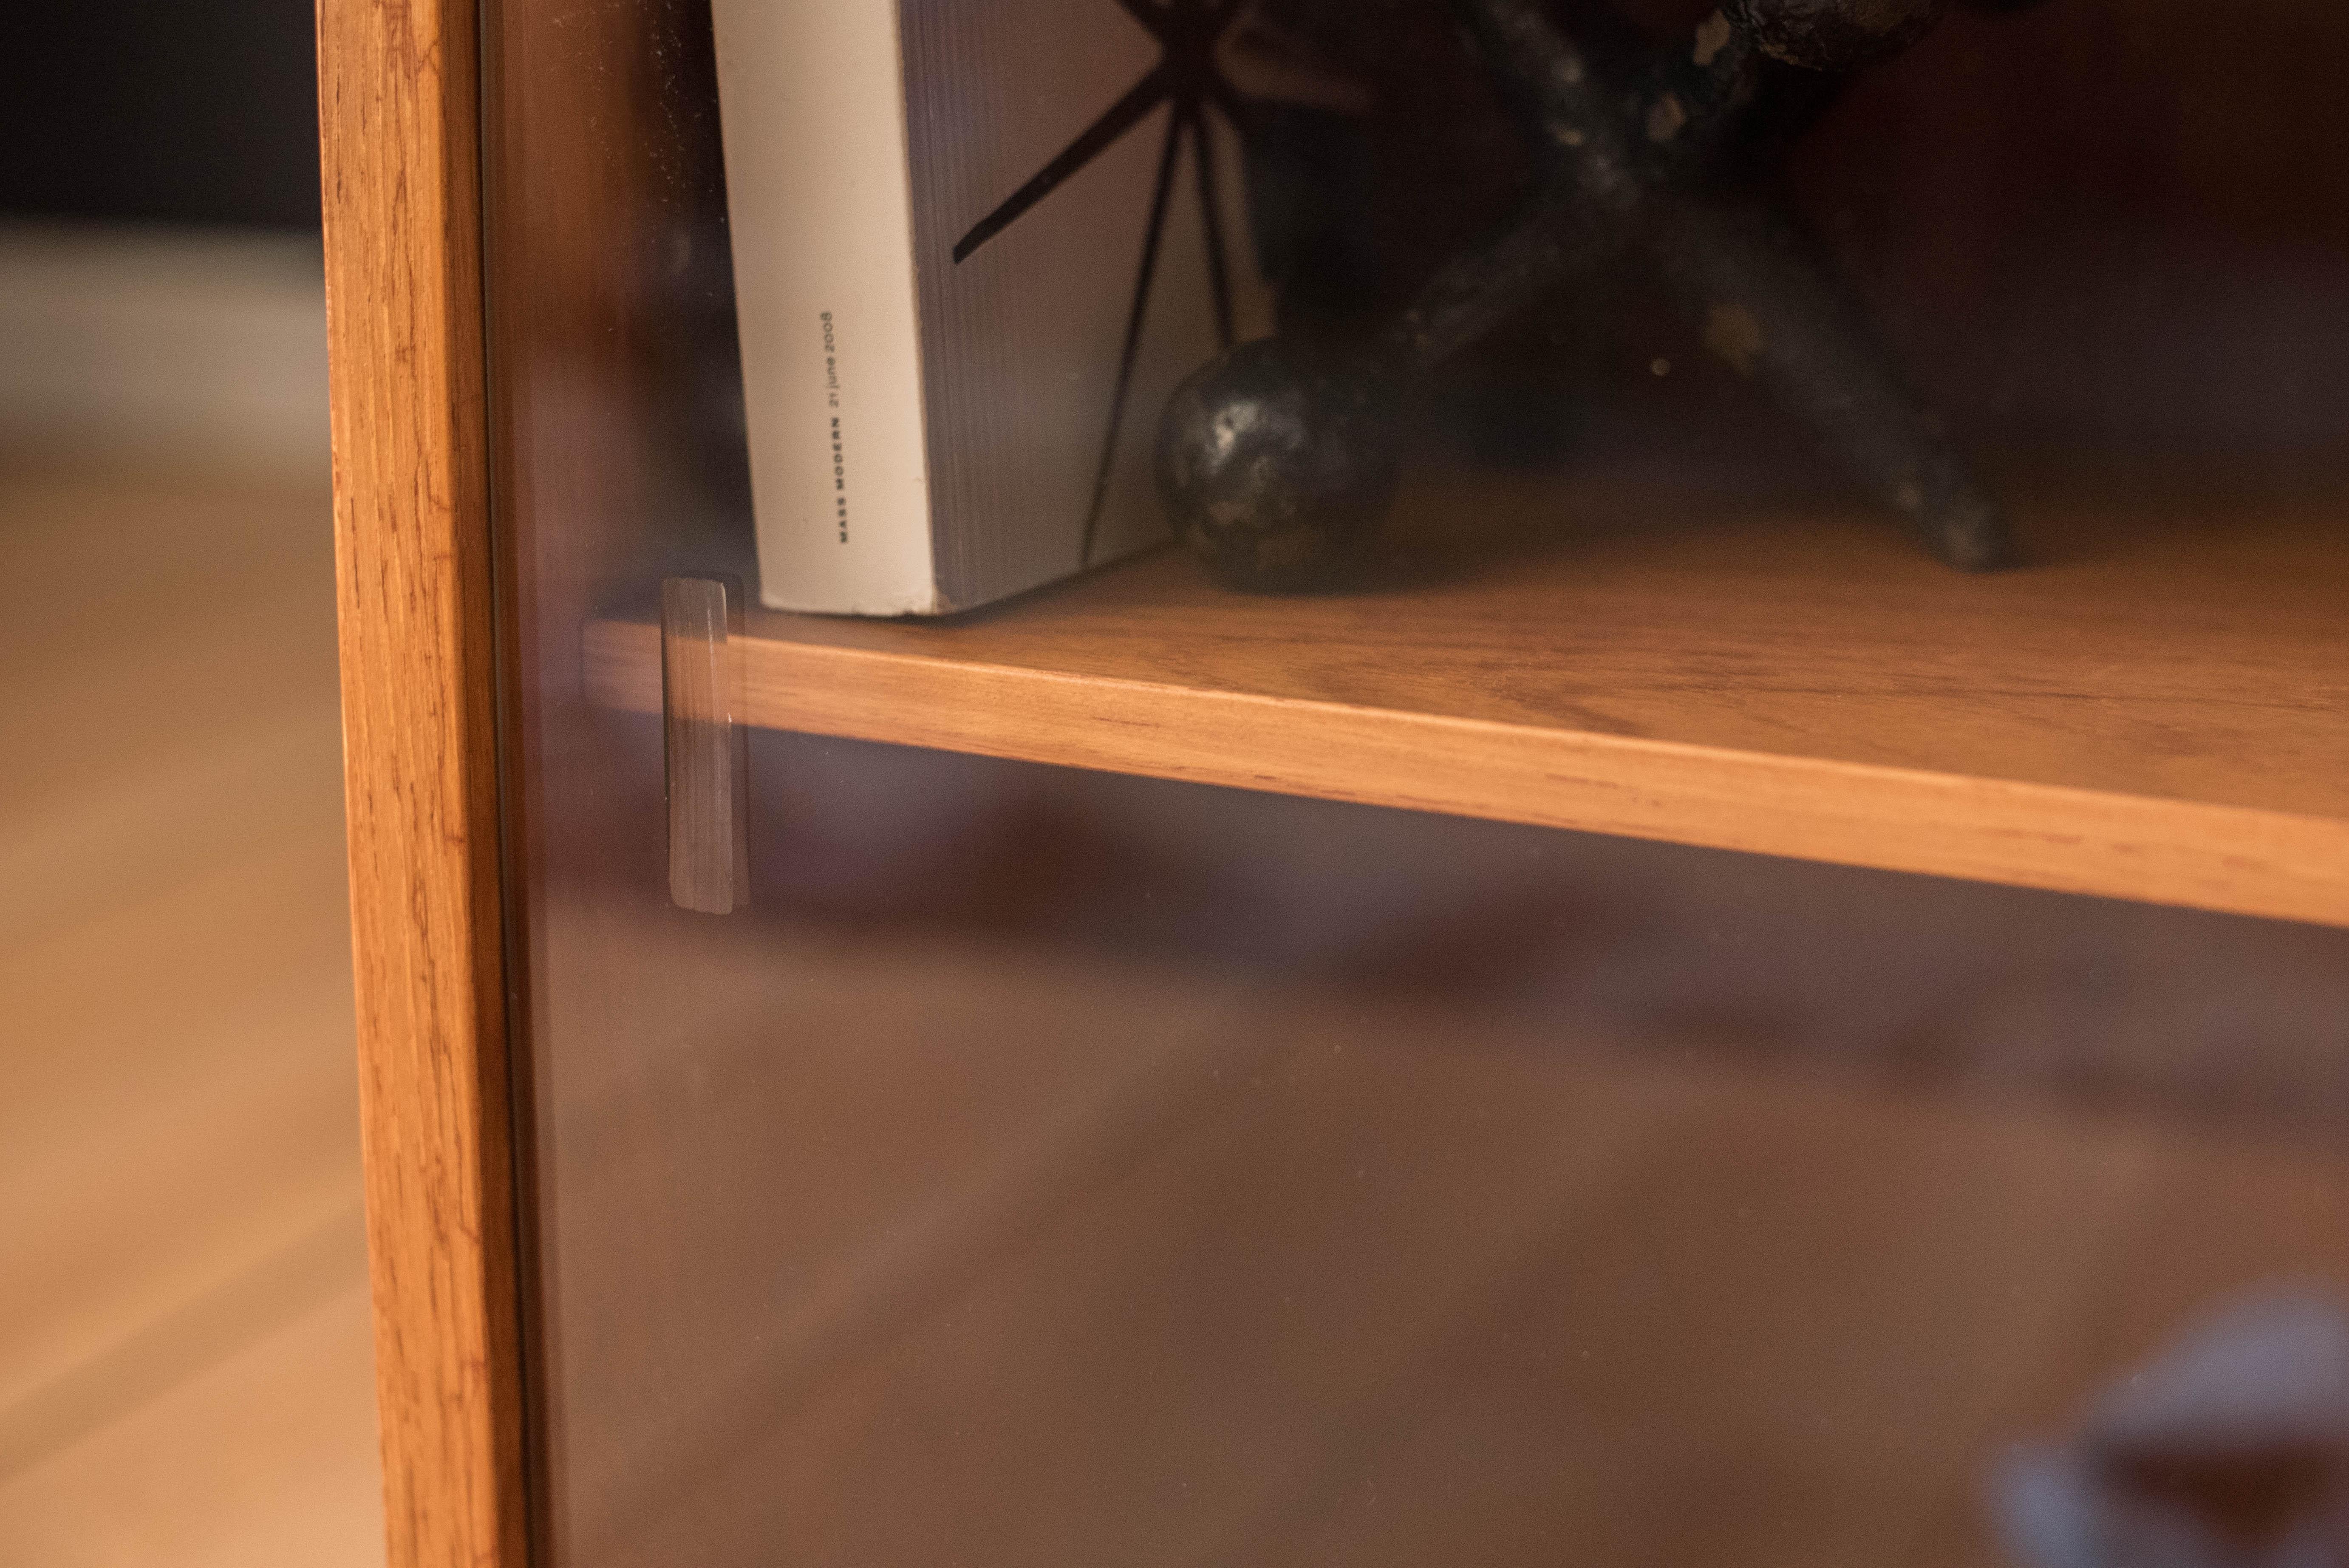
185 1373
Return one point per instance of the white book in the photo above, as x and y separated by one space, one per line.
944 214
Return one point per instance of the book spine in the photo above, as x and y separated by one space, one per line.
812 100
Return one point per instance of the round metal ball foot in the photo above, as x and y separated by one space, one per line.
1277 464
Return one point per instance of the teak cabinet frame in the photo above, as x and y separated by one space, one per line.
400 135
1845 753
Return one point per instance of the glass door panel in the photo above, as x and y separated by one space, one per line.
1050 1162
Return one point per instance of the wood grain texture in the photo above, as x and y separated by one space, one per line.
399 126
2151 711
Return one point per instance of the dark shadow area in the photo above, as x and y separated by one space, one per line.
161 111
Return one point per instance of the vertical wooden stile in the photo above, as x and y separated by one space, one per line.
400 139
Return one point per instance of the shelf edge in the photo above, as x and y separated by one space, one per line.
2229 859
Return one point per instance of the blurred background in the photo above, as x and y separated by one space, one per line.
185 1372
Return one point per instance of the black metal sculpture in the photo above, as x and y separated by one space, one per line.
1279 460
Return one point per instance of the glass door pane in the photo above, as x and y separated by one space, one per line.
1201 1077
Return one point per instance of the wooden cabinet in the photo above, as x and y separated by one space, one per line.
1665 1020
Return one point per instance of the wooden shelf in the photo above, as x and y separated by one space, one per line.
2153 709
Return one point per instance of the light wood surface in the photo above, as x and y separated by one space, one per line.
264 1460
185 1376
2151 710
401 156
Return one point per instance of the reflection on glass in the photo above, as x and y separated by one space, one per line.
1050 1166
1056 1166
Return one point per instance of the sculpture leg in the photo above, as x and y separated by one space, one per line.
1742 270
